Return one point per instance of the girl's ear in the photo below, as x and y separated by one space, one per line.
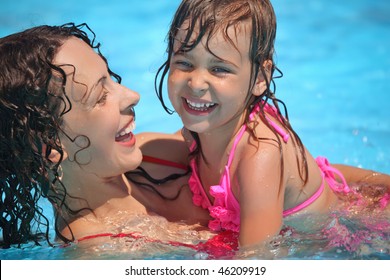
261 84
54 156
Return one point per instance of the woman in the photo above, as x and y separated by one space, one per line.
67 135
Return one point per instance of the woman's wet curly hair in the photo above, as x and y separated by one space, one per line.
32 103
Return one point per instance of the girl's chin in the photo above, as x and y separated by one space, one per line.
196 127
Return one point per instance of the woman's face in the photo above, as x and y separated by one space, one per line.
101 120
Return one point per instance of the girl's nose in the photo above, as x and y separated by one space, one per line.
198 82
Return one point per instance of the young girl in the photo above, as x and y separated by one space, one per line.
249 167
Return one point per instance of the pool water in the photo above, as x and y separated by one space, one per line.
353 234
335 56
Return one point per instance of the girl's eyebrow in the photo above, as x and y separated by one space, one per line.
220 60
183 53
215 59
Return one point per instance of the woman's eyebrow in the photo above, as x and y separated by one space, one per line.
100 81
88 96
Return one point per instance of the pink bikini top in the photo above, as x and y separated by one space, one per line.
225 210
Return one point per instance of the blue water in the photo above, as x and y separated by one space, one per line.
335 56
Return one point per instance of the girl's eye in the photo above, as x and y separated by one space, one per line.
221 70
183 64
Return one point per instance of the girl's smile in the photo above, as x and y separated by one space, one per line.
199 107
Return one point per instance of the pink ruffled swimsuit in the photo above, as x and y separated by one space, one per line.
225 210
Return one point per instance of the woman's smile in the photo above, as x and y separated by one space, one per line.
125 136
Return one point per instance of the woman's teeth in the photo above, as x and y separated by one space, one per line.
125 131
199 106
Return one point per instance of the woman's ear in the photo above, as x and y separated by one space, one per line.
53 155
261 81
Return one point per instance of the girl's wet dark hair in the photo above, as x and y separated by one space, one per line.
203 19
32 103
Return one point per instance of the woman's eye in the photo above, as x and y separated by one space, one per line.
102 100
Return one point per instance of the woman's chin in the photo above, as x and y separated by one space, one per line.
134 160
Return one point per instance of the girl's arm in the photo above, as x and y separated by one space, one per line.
359 175
261 199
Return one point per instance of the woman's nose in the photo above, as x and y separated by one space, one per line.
129 98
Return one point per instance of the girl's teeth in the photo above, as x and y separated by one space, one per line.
200 106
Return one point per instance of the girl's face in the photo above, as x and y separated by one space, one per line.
209 90
101 119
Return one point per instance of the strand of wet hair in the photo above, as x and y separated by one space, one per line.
142 172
